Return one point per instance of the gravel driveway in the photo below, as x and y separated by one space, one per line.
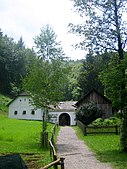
77 155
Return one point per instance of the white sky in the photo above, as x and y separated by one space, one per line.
26 17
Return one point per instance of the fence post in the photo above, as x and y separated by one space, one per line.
55 158
44 139
116 130
62 162
85 133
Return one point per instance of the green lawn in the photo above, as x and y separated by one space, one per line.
107 148
23 137
20 136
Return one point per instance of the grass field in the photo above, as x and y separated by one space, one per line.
23 137
107 148
20 136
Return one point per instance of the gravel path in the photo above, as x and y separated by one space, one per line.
75 152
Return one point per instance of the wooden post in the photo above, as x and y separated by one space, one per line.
55 158
116 130
44 139
85 132
62 162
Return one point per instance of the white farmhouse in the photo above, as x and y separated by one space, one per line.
21 108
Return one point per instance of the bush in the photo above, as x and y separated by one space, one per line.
98 122
88 113
106 122
115 120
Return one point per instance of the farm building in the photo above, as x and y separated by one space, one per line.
62 114
21 108
103 103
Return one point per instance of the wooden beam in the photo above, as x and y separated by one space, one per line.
51 164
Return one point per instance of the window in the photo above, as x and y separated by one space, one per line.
33 112
20 100
24 112
15 112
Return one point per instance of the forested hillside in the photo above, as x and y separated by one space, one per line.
16 61
94 71
14 58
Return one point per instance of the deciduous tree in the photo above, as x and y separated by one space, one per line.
46 78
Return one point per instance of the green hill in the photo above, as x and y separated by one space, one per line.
4 100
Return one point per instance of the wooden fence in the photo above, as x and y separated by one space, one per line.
97 129
56 161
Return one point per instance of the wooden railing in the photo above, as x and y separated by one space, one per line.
97 129
56 161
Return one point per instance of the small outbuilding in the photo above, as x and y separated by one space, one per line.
102 102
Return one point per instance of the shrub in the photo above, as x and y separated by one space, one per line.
98 122
88 112
115 120
106 122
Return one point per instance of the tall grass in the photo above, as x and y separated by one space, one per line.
106 147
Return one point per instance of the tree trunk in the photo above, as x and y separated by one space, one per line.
44 139
44 134
123 127
123 132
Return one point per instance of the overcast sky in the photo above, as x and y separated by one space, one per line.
26 17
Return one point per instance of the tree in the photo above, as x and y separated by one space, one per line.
89 74
46 44
46 78
105 28
12 65
109 76
45 82
51 66
4 87
72 89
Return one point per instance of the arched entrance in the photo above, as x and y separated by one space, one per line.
64 119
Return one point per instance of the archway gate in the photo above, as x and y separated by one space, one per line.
64 119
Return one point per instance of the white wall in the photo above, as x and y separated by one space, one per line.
20 104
